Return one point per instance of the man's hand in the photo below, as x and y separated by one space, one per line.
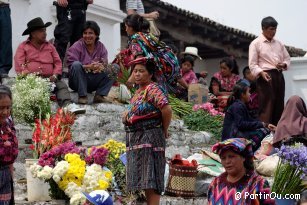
53 78
90 1
281 66
265 76
154 14
62 3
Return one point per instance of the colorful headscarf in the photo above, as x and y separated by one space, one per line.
239 145
140 60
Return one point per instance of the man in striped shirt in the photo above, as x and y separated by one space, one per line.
136 6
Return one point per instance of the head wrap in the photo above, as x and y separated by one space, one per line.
238 145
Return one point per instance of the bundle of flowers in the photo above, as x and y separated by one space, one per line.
70 170
116 149
205 118
31 96
291 170
208 107
52 131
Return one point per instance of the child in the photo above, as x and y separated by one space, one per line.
8 146
238 123
187 64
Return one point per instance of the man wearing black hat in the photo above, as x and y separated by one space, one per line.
71 18
5 38
36 55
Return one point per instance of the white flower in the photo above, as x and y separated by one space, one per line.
77 199
45 173
61 168
56 178
72 189
31 96
34 169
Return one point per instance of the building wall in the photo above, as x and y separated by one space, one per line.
105 12
296 78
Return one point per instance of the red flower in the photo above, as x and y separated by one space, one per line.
52 131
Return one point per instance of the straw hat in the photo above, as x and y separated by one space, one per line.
191 51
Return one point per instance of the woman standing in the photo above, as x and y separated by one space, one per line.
146 125
8 147
142 43
239 184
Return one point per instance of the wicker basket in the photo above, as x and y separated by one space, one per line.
181 181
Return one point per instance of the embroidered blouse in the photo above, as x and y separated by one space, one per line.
223 192
227 83
8 143
147 103
189 77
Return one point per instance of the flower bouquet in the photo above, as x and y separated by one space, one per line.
70 170
205 118
52 131
291 170
31 96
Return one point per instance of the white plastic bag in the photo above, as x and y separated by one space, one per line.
124 93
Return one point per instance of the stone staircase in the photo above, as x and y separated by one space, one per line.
100 123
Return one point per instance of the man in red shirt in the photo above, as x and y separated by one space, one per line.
36 55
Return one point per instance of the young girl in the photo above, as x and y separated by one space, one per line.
238 123
187 64
8 147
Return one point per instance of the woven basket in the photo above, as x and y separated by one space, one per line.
181 181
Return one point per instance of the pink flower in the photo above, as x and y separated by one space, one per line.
196 107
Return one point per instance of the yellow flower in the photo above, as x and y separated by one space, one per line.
103 184
108 175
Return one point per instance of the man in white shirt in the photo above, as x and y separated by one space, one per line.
5 38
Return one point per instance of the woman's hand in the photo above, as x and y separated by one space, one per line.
166 134
272 127
166 119
124 117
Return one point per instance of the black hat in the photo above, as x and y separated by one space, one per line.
35 24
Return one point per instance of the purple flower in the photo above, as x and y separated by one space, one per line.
97 156
57 153
296 156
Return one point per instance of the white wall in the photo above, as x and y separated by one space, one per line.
296 78
105 12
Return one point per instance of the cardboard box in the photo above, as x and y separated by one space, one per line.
198 93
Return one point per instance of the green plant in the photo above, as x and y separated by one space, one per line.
202 121
180 108
31 96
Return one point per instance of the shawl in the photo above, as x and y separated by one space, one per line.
293 121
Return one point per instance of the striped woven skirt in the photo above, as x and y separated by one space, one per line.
6 186
255 136
145 157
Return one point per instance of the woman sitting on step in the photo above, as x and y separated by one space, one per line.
8 147
239 184
238 122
